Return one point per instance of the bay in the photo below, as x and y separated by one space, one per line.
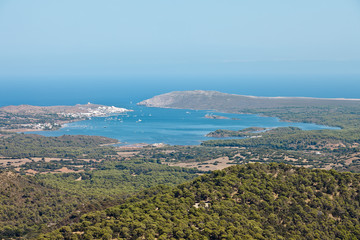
169 126
172 126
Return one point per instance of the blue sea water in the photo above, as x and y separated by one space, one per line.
171 126
120 91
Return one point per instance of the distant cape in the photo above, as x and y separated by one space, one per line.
213 100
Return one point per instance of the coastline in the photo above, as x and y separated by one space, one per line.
27 118
129 132
217 111
23 130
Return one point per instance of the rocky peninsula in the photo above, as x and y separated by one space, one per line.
224 102
23 118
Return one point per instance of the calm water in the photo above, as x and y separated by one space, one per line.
167 125
120 91
171 126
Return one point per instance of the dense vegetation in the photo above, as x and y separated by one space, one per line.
34 204
293 138
28 206
253 201
66 146
185 153
246 132
114 178
346 117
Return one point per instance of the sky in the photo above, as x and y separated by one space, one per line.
194 38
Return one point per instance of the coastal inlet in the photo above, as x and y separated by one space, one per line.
169 126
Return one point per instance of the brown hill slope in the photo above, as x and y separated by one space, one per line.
337 112
214 100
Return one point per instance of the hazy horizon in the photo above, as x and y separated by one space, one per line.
159 39
67 52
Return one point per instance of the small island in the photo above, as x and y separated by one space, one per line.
246 132
211 116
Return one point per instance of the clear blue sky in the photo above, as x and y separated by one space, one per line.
116 38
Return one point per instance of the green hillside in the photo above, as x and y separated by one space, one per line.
28 206
252 201
66 146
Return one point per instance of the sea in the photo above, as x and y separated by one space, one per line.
168 126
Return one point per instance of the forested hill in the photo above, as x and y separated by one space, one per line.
252 201
66 146
28 206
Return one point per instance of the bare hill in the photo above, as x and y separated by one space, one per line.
213 100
